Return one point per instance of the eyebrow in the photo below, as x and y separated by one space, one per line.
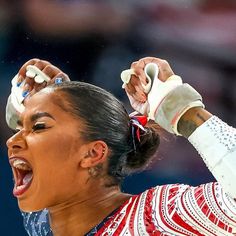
36 116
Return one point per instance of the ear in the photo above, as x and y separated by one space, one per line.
97 152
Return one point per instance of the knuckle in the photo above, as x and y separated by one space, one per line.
33 61
134 64
164 63
48 69
39 64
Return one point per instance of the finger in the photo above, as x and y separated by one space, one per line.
22 71
133 64
39 65
26 90
31 79
30 84
135 82
38 87
60 77
139 71
51 71
138 68
131 95
165 70
137 97
130 89
147 60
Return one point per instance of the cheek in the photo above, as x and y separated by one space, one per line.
55 166
57 153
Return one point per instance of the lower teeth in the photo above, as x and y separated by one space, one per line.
20 187
27 178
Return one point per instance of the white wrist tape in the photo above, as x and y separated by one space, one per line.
14 103
174 105
17 94
216 143
169 100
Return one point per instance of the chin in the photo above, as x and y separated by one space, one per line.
27 206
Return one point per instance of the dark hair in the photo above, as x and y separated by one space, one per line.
106 119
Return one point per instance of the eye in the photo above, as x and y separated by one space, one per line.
38 127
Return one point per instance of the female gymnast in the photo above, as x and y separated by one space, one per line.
75 143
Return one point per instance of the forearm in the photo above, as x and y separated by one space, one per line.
215 142
192 119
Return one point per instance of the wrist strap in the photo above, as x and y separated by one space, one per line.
175 104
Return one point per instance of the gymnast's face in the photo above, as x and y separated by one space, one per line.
45 154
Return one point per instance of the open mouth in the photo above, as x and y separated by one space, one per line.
23 175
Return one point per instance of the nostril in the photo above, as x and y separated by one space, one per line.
15 146
17 141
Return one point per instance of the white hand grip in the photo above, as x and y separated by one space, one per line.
151 71
36 74
125 76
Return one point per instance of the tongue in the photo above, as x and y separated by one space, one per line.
27 178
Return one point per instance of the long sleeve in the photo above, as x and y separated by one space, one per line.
216 143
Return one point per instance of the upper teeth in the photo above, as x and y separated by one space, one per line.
20 164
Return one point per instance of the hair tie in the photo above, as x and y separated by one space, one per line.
137 124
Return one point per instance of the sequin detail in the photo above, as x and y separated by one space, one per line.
167 210
37 223
223 132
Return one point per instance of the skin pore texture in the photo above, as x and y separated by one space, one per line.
49 140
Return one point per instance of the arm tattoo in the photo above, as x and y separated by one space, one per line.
200 117
186 127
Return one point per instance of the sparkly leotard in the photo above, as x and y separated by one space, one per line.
168 210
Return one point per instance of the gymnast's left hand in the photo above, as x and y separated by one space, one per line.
135 89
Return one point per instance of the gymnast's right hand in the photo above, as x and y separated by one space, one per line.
33 76
31 82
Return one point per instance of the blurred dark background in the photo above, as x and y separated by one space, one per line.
94 40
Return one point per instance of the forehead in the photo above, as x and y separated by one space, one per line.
42 100
50 102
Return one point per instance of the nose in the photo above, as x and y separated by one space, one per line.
16 142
